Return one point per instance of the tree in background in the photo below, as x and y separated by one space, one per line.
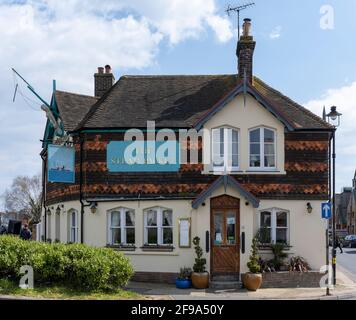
25 197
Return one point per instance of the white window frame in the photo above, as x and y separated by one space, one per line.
227 151
274 227
74 227
122 226
159 227
262 167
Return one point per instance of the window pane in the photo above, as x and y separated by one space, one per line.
281 219
230 228
255 161
130 218
255 135
130 235
116 236
73 235
151 216
255 148
281 235
218 228
269 135
235 136
218 147
265 235
73 219
269 149
167 236
115 219
167 218
265 219
152 235
270 161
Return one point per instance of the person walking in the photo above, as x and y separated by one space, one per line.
25 232
338 244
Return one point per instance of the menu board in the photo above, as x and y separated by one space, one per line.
184 233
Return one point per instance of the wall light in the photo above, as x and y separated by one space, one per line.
309 208
93 207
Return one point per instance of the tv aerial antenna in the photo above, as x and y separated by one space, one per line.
237 9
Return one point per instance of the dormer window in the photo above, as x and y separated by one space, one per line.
225 149
262 148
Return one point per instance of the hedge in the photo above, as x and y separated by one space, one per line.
77 265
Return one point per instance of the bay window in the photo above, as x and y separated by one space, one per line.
158 226
225 149
262 148
274 226
121 227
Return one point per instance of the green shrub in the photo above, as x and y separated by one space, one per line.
253 264
77 265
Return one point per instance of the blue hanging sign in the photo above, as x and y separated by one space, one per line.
61 164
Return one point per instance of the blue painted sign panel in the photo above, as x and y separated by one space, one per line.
61 164
326 210
143 156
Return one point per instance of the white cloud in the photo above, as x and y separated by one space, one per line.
67 40
344 99
276 33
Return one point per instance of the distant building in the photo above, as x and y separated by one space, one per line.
351 209
341 203
6 216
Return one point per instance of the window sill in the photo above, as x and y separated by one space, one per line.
267 247
157 248
121 247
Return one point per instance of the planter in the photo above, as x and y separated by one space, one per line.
183 283
252 281
200 280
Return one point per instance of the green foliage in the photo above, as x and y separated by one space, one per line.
199 265
185 273
278 255
253 265
79 265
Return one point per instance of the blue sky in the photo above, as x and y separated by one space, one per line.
50 39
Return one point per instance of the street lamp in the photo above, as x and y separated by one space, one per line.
334 119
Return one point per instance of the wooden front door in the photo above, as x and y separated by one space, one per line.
225 235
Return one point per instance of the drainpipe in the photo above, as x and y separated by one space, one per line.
44 167
81 190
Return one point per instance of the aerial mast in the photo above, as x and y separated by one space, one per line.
237 10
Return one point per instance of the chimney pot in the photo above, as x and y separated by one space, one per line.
107 69
100 70
246 27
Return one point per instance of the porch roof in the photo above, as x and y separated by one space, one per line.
225 181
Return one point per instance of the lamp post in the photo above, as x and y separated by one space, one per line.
334 119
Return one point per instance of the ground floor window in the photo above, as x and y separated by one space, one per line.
73 226
121 227
158 228
274 226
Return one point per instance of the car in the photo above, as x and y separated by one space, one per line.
350 241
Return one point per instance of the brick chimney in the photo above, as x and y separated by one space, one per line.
103 81
244 52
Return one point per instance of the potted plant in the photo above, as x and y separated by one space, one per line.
200 277
183 280
279 255
252 280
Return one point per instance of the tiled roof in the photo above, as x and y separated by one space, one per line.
179 102
73 107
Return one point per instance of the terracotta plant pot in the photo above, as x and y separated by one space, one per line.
200 280
252 281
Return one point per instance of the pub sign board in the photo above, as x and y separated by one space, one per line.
61 164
